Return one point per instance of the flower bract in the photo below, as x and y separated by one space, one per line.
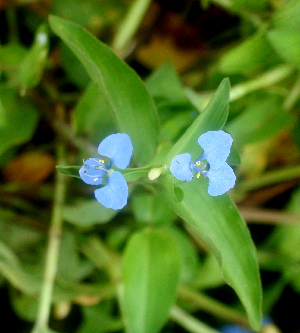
95 171
212 163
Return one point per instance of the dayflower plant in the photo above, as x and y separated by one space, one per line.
212 164
95 171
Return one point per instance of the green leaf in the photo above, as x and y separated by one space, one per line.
253 5
284 36
32 67
190 263
151 270
27 281
73 68
213 118
72 171
249 56
94 15
288 17
287 44
92 115
12 54
72 267
218 222
216 219
165 86
149 208
87 213
123 91
99 319
25 306
262 118
18 119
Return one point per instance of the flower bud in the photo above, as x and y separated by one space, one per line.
154 173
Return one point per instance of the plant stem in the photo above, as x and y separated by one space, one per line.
190 323
240 90
270 178
52 253
130 24
212 306
265 80
293 96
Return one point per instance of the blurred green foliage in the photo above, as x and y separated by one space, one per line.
68 79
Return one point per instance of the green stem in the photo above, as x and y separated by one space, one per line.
103 257
240 90
190 323
293 96
67 132
55 233
263 81
270 178
130 24
212 306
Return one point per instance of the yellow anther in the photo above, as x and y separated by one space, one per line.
95 179
198 175
198 163
101 161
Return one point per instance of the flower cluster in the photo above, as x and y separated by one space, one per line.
212 164
118 148
113 192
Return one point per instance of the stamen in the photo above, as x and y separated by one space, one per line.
198 163
198 174
96 179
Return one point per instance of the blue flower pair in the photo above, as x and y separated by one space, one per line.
216 146
118 148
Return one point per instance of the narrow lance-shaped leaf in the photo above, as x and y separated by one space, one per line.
124 92
19 119
216 219
32 67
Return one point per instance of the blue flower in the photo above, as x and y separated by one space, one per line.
216 146
241 329
118 148
234 329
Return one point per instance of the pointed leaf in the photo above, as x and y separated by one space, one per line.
18 119
213 118
32 67
216 219
126 95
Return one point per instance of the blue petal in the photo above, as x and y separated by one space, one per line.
216 145
220 180
89 174
115 193
181 167
234 329
118 148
